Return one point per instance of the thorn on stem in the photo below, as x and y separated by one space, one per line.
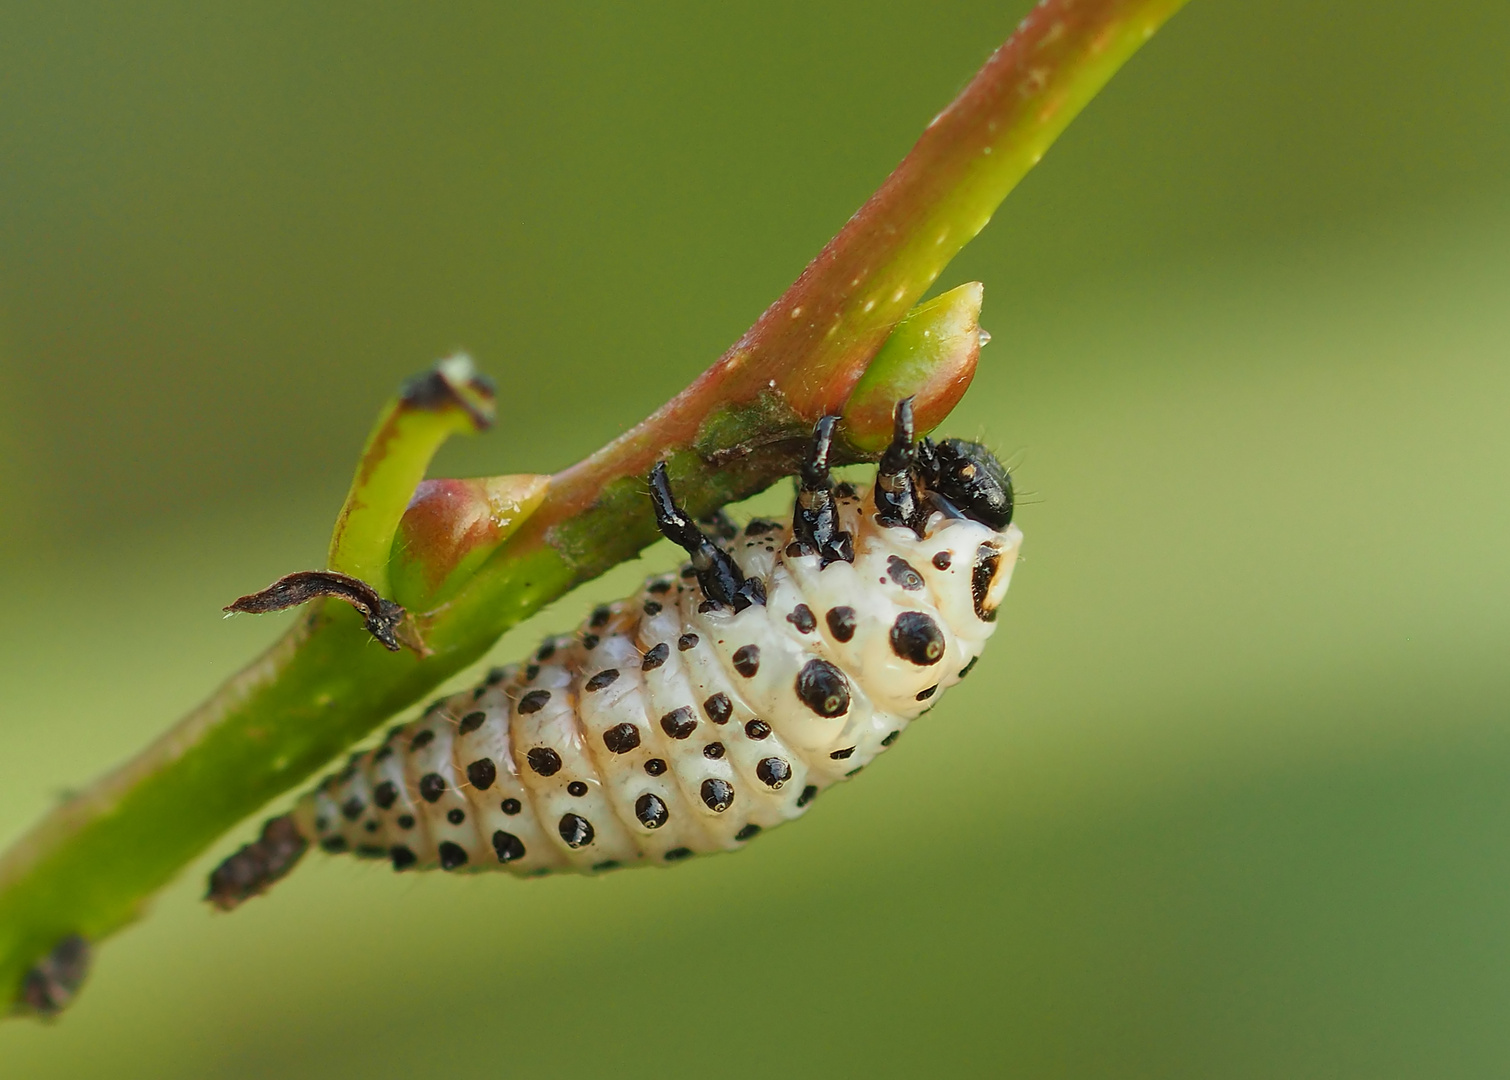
385 620
53 982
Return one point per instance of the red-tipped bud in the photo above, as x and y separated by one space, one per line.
929 357
449 530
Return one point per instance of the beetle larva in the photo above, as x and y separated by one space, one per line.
713 704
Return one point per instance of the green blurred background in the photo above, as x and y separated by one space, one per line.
1230 796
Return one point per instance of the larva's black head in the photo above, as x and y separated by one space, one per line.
963 479
969 478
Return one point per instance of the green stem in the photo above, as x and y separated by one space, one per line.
91 865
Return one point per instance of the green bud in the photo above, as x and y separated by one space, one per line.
930 357
449 530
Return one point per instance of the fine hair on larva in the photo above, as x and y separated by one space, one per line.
716 702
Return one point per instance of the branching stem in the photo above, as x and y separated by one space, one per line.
91 865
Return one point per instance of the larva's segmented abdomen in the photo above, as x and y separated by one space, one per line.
669 725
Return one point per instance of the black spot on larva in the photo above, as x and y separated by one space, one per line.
747 660
719 708
714 750
482 773
621 738
652 608
841 622
655 766
822 687
334 844
676 854
406 821
371 851
773 772
352 808
926 693
679 723
530 672
435 706
688 573
809 793
431 786
544 760
456 815
942 560
915 637
533 702
651 811
748 832
655 657
576 789
370 826
546 651
707 606
968 667
686 641
890 738
495 676
385 794
507 846
471 722
840 755
606 864
603 678
590 641
383 753
718 795
511 806
422 740
901 571
660 588
575 830
845 490
987 559
600 616
802 618
758 729
761 526
452 856
853 772
478 691
402 857
321 824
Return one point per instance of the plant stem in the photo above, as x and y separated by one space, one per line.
91 865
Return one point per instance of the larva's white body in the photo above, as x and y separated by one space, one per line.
459 788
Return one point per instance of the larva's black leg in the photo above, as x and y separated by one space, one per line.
720 576
815 521
898 500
